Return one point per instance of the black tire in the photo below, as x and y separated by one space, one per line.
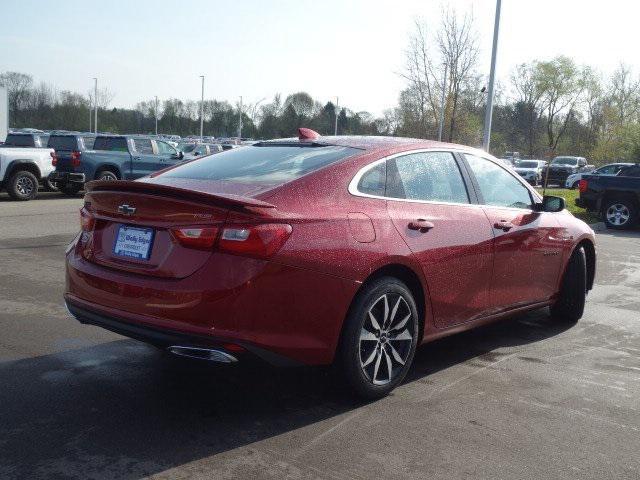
23 185
49 186
70 190
620 213
569 306
364 362
106 175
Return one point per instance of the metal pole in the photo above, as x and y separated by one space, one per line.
488 114
335 127
156 115
90 114
240 120
202 108
95 101
442 103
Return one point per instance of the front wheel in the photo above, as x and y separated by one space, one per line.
379 339
569 306
619 214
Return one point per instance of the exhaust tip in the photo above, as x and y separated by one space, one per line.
208 354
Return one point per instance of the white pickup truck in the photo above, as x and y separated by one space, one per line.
22 169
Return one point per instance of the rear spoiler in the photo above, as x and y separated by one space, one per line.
220 199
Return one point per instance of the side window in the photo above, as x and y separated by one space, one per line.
143 146
497 186
373 180
165 148
88 142
427 176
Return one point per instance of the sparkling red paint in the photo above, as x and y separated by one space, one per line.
294 303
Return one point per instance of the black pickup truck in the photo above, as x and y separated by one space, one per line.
616 198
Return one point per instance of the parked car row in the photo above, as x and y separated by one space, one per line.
67 160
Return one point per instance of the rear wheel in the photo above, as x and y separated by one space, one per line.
379 340
573 292
620 213
23 185
106 175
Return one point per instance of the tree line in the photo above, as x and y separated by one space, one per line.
546 107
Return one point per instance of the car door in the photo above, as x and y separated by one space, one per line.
143 159
528 244
431 207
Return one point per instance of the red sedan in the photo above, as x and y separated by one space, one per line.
324 249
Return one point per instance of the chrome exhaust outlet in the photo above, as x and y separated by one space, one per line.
208 354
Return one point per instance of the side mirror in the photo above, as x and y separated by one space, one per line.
551 203
177 156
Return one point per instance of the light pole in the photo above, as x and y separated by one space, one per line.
335 126
95 101
156 111
202 108
442 102
240 120
488 114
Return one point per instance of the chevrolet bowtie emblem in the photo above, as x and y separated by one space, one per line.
126 209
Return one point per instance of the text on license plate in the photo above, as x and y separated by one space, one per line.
133 242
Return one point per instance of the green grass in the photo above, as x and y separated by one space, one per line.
570 197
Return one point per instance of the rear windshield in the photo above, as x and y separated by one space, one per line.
112 144
565 161
14 140
262 164
63 142
527 164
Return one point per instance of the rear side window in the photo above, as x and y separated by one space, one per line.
88 142
273 164
111 144
43 140
426 176
14 140
63 142
143 145
632 171
373 181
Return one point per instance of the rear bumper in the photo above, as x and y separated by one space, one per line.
67 178
165 337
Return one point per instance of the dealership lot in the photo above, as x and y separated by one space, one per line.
524 398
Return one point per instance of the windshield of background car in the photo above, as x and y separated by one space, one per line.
63 142
186 147
527 164
564 161
273 164
19 141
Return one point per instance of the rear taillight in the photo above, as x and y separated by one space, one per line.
252 240
75 158
261 240
87 220
196 237
583 185
54 158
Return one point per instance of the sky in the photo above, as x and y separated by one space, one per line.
353 49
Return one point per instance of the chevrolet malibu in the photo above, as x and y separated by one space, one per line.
324 250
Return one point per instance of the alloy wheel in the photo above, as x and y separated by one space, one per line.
618 214
25 186
386 338
107 176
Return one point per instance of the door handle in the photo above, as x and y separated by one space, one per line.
503 225
421 225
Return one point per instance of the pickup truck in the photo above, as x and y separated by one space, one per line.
22 169
616 198
113 157
561 167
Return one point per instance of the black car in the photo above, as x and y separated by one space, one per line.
616 198
561 167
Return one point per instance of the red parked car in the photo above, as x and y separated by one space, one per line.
324 249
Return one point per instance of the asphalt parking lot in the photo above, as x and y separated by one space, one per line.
525 398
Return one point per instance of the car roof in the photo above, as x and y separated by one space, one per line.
372 142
